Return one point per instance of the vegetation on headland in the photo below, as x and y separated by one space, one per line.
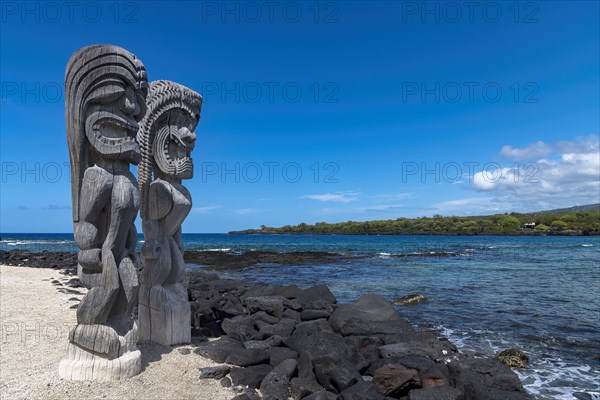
584 220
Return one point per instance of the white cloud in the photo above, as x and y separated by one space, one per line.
533 150
469 206
360 210
55 207
570 177
333 197
245 211
392 196
580 145
204 209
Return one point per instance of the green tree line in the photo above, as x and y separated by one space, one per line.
546 223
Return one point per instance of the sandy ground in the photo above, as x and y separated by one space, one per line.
35 319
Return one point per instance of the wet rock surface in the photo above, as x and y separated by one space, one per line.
513 358
223 260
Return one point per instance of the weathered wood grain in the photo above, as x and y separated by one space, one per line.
166 138
105 91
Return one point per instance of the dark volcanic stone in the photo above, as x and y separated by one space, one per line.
223 260
335 374
316 293
184 351
250 376
302 387
197 337
247 357
395 380
247 395
275 385
370 314
264 317
219 350
362 341
305 367
264 344
322 395
360 391
307 315
398 350
225 382
270 304
293 304
365 346
436 393
437 375
283 328
480 391
217 372
319 343
279 354
66 262
312 327
484 372
288 291
240 327
291 314
421 364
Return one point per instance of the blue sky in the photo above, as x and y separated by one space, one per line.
325 111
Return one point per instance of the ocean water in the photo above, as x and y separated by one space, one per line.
540 294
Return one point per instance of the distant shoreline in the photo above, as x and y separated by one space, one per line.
532 233
574 221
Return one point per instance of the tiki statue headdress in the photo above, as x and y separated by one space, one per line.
167 135
96 77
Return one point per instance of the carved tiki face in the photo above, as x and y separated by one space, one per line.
112 118
174 143
167 133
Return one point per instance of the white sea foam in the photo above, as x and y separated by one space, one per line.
546 378
29 242
220 249
556 379
587 245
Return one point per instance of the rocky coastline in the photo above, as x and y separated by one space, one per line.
278 341
214 259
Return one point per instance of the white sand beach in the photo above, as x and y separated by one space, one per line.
36 318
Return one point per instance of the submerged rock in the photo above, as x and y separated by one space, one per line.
513 358
410 299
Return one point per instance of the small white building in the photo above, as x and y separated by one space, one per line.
529 225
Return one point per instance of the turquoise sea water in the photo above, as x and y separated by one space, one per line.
540 294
